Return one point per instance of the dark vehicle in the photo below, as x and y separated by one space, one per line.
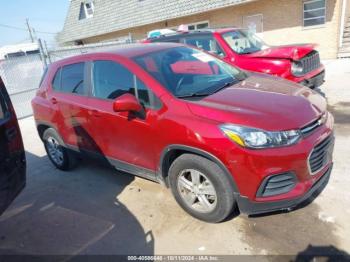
12 156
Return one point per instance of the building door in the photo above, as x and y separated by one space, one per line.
254 23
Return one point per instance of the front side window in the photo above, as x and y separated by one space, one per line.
111 80
187 72
314 12
72 79
244 42
207 43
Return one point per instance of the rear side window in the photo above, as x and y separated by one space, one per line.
207 43
56 82
72 79
111 80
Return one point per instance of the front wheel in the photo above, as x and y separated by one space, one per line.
201 188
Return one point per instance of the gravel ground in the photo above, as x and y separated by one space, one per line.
97 210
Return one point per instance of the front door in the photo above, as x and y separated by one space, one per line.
12 156
124 138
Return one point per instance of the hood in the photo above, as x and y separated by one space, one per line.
262 101
293 52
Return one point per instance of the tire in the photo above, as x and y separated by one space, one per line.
64 160
207 207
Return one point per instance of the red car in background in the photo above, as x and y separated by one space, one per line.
298 63
217 136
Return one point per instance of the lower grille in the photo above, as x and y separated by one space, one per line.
277 184
321 155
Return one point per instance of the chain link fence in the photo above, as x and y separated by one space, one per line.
22 75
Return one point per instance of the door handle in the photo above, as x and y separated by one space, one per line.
54 100
95 113
11 133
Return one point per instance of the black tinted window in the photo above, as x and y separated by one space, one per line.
72 78
112 80
207 43
56 83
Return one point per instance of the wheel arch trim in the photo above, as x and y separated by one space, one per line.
197 151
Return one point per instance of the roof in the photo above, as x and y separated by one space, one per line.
128 50
204 31
114 15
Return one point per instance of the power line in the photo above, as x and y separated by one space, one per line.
23 29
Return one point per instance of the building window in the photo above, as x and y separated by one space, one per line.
86 10
198 26
314 12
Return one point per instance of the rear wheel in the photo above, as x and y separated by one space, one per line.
201 188
60 156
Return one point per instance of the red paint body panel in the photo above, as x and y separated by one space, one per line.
260 101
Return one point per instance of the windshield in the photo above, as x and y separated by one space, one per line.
187 72
244 42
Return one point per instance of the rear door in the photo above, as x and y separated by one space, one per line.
12 156
69 97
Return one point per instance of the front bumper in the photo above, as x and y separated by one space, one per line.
314 81
252 208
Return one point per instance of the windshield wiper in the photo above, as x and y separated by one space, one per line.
226 84
223 86
194 95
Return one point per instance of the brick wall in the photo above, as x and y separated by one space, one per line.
282 22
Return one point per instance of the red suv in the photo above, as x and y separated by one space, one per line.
217 136
298 63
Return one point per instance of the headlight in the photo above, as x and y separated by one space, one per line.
257 138
297 68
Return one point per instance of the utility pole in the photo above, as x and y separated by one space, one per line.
30 30
42 53
47 52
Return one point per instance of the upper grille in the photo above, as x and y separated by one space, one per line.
310 62
320 155
309 128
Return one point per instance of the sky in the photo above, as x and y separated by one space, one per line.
44 15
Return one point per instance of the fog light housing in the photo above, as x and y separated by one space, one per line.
277 184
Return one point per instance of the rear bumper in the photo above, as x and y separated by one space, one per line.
252 208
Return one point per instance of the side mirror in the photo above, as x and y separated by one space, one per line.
127 103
